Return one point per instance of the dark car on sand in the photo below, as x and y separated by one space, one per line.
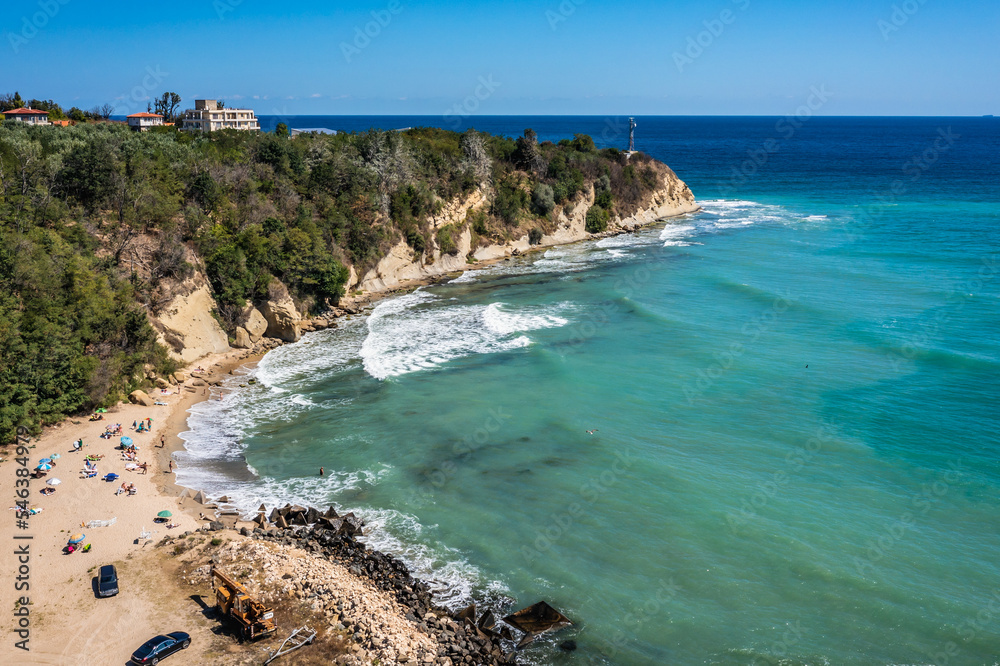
107 581
155 649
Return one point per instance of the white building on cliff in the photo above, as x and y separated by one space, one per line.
206 116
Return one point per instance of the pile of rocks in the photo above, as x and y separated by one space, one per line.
457 640
372 619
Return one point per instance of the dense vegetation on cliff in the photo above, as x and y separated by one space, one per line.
95 220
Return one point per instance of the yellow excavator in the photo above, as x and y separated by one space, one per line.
254 618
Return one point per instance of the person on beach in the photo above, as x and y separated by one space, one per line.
171 467
321 471
163 441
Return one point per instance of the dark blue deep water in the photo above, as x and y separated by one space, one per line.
795 397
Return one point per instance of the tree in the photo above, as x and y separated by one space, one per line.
282 130
166 105
476 159
8 101
106 110
584 143
527 155
385 154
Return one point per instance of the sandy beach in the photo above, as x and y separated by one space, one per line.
67 620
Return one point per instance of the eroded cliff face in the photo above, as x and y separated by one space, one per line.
186 327
402 265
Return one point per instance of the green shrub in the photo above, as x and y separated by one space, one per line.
509 201
446 239
543 199
535 236
477 220
597 220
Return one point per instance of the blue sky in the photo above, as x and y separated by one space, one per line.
877 57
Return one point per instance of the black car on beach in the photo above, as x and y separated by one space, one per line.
155 649
107 581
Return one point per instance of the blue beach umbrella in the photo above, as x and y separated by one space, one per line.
77 538
44 468
126 441
44 461
55 456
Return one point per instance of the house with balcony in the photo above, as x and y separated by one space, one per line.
140 122
206 116
30 116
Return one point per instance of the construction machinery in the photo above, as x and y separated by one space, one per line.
254 618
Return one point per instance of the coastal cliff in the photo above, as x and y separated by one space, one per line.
188 323
137 253
186 326
672 198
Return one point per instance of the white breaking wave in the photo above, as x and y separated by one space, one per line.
405 337
467 276
451 577
676 235
316 356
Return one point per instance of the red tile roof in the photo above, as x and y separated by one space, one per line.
145 115
26 112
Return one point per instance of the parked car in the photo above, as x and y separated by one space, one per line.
155 649
107 581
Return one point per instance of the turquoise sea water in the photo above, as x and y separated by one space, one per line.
795 396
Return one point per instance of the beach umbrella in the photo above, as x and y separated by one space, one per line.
53 482
44 468
164 514
126 441
55 456
77 538
44 461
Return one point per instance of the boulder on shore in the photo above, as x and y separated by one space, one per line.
255 324
141 398
283 320
242 339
